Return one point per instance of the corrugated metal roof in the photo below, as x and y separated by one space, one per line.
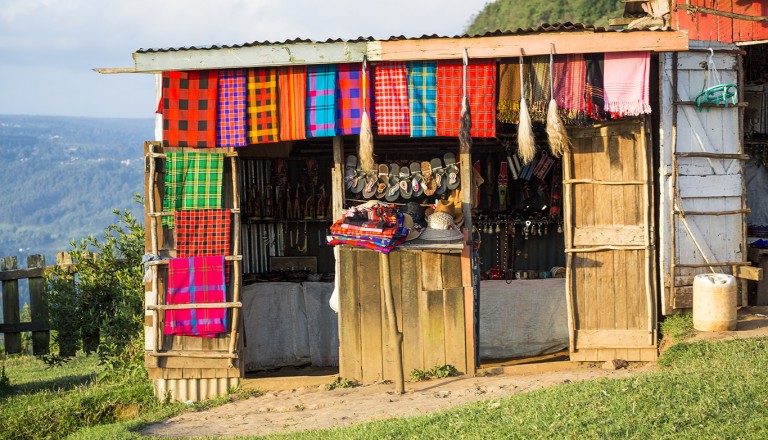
546 27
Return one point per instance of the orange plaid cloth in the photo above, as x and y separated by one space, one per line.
292 88
262 105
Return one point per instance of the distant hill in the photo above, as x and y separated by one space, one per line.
62 176
522 14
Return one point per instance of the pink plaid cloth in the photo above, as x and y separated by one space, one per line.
231 111
196 280
570 78
349 100
481 91
391 95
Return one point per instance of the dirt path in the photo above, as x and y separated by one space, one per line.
311 407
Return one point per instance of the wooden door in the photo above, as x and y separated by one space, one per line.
608 205
702 202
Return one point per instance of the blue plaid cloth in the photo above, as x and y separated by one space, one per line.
321 100
422 97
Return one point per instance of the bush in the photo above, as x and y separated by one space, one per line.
101 306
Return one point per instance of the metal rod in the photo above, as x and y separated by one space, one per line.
738 156
733 212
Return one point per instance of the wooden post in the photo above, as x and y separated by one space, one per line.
38 308
337 178
11 306
237 264
568 220
395 336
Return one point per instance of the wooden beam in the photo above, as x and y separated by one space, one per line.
748 273
694 9
19 327
408 49
528 44
252 56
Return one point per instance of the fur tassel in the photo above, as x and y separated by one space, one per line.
559 143
465 128
365 152
526 144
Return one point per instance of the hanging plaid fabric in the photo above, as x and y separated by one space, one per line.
539 95
349 102
196 280
262 105
321 100
422 97
391 95
481 91
625 87
188 107
231 110
192 181
508 110
593 92
202 232
292 88
569 82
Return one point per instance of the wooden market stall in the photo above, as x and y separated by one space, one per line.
602 238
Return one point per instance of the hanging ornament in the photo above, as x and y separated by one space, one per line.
558 137
365 151
526 144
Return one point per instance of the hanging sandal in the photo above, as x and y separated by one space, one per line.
439 172
382 181
369 187
417 180
405 182
430 185
451 171
393 190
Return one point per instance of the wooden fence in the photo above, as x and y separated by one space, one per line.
12 327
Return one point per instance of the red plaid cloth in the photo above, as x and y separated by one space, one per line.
196 280
202 232
391 93
232 115
262 105
292 87
188 106
481 91
349 100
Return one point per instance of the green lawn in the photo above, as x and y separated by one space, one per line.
714 389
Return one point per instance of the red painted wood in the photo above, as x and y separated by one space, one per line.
710 27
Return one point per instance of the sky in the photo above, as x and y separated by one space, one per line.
48 48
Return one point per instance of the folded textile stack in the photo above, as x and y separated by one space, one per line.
376 226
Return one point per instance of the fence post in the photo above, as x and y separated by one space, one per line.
11 305
38 307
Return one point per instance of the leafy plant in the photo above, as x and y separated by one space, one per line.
676 328
341 382
102 304
436 372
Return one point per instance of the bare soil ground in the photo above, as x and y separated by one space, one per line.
301 402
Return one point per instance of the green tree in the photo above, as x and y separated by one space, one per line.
102 304
510 15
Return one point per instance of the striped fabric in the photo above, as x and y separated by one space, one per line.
569 82
349 101
508 106
539 86
231 110
196 280
593 89
192 181
391 95
262 105
625 86
188 107
321 100
481 91
292 87
422 97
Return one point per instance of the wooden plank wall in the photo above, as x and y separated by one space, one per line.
429 303
610 299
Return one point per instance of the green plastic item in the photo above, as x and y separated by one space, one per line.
720 94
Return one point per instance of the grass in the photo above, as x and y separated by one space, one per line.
713 389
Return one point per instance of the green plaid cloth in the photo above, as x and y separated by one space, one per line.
192 181
422 96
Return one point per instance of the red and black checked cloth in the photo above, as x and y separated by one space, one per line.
203 232
481 91
188 106
393 115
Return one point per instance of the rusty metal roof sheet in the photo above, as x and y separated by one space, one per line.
546 27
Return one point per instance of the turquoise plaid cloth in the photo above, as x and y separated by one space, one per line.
321 100
192 181
422 97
